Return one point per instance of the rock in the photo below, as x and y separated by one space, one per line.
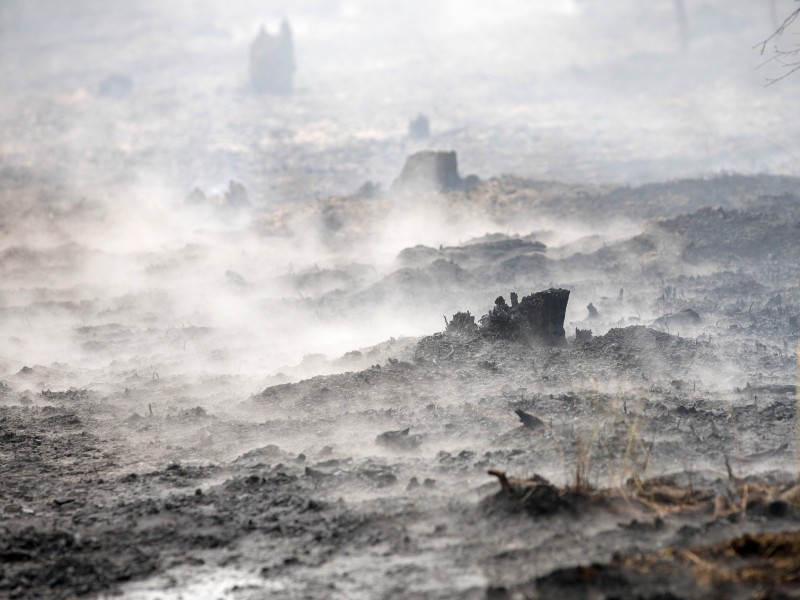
272 62
429 171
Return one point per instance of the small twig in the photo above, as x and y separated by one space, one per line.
501 475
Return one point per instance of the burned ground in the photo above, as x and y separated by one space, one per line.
237 361
652 453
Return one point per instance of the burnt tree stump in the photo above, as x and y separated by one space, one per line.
538 317
429 171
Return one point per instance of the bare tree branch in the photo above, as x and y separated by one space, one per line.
781 56
780 30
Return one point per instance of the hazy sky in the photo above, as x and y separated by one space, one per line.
565 89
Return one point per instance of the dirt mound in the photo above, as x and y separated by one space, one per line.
684 318
418 256
520 267
641 346
439 277
719 234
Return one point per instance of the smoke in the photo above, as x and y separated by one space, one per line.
558 90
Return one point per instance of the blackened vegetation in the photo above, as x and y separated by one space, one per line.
536 318
747 566
461 323
535 496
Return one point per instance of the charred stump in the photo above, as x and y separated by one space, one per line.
272 61
593 313
428 171
419 128
538 317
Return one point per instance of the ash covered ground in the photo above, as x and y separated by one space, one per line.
276 347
